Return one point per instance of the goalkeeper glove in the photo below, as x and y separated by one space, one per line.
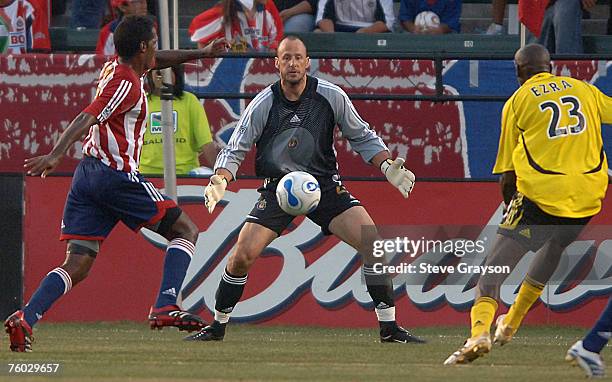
214 191
398 175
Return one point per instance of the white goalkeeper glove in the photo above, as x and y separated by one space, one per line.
398 175
214 191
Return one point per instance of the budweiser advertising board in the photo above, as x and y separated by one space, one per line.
440 236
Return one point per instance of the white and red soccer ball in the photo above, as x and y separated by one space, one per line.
427 20
298 193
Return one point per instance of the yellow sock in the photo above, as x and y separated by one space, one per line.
482 315
529 292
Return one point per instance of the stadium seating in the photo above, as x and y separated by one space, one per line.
475 18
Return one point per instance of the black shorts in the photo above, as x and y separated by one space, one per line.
531 227
335 199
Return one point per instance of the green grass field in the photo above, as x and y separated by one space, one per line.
129 351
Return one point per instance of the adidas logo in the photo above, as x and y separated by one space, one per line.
382 305
525 232
170 292
38 315
295 119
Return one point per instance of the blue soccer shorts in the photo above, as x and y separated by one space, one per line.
101 196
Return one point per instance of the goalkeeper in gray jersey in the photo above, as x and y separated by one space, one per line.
292 125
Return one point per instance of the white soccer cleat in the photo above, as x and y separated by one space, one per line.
503 332
590 362
472 349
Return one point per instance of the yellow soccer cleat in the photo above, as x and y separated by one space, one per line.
503 332
472 349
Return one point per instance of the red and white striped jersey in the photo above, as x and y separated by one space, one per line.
23 28
261 32
120 106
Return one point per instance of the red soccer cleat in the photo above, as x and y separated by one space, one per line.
172 315
20 333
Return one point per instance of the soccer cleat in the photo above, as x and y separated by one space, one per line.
590 362
472 349
172 315
20 333
213 332
503 332
399 335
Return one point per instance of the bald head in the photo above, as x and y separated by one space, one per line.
531 60
291 42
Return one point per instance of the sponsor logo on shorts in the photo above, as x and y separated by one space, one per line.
261 205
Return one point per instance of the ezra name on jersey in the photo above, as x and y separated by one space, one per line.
549 88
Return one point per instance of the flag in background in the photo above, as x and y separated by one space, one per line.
531 13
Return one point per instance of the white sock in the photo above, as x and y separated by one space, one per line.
221 317
386 314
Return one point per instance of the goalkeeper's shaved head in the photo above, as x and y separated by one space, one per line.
531 60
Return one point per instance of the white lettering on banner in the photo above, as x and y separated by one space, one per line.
322 276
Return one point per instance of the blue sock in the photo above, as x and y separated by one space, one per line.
178 257
600 334
53 286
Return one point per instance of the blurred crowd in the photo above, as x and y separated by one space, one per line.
258 25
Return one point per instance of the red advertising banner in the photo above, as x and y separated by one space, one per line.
41 94
304 278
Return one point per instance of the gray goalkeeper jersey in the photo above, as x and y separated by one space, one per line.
298 135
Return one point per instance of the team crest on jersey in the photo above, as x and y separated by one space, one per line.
261 204
19 24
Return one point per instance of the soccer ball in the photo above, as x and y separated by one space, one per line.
427 20
298 193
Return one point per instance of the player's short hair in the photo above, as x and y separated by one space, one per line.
293 37
130 32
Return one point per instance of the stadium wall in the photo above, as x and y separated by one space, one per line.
305 278
41 94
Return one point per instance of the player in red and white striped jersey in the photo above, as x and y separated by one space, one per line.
107 188
120 108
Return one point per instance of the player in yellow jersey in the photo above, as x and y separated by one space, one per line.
553 178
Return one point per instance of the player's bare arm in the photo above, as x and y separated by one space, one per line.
379 158
225 174
167 58
507 183
45 164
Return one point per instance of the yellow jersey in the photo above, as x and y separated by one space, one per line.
191 132
551 137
